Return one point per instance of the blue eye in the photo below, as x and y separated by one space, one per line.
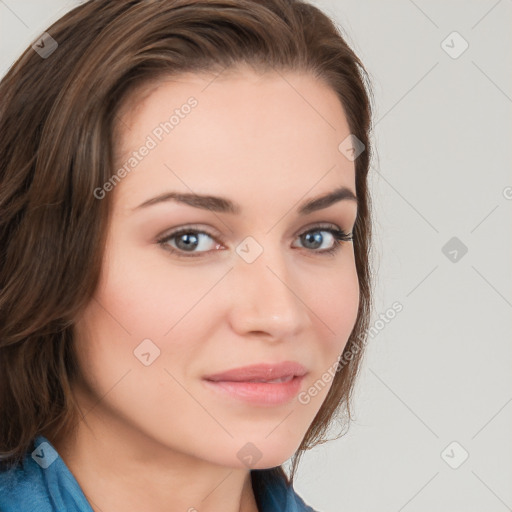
186 240
314 237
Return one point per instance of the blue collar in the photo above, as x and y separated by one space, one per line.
43 483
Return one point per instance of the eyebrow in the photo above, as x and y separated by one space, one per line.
223 205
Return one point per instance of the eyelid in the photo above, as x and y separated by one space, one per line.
192 227
318 225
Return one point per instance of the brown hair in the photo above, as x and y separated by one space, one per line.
57 134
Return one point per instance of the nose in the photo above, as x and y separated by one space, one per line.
265 299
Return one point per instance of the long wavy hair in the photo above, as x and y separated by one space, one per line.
58 116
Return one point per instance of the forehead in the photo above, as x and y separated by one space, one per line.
245 130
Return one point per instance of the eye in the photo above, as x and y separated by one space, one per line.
187 240
313 238
184 241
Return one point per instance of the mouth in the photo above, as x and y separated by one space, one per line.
263 372
264 384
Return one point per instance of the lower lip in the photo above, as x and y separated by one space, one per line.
261 393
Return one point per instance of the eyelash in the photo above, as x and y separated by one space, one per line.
338 234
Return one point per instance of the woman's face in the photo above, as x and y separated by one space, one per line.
243 287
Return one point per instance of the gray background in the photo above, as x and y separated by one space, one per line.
439 372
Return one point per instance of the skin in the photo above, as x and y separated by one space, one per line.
154 437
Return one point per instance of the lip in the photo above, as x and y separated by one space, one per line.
262 371
236 383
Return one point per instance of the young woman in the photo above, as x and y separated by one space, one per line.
185 279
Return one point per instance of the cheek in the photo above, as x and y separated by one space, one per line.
149 295
143 297
334 305
133 305
334 313
330 299
341 294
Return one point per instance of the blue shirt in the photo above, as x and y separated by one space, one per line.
45 484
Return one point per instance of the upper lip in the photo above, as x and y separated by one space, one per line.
260 372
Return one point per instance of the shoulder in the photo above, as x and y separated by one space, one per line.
274 494
22 488
41 483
